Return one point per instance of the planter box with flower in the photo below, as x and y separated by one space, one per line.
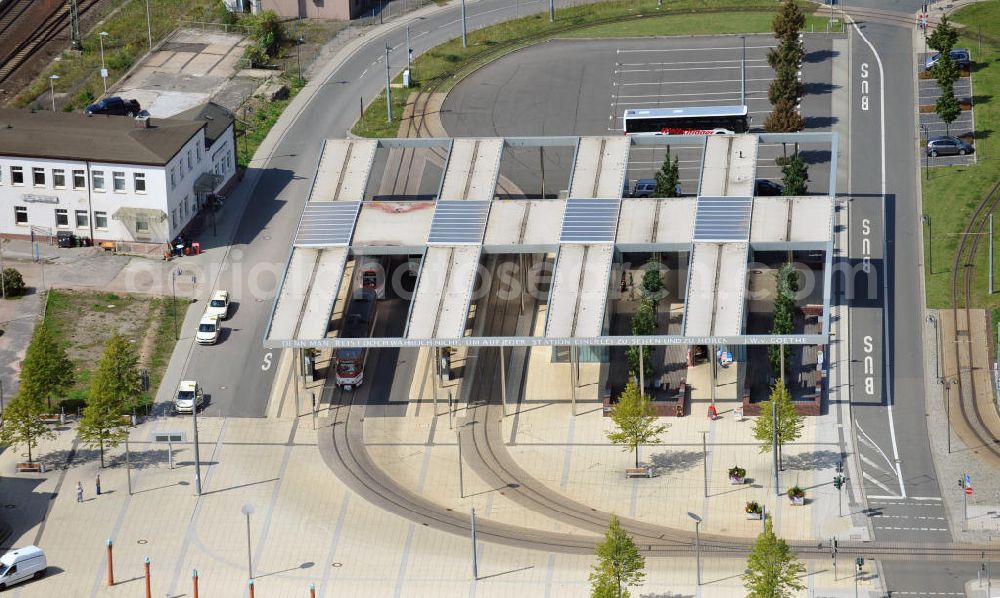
753 510
797 496
737 475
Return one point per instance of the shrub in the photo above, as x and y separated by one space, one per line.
13 282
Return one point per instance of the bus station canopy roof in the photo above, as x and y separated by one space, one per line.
587 232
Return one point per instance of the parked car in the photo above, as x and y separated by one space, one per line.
189 397
208 330
948 146
21 564
218 305
765 187
115 106
960 56
644 188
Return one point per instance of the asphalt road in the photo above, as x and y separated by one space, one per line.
524 93
238 373
899 476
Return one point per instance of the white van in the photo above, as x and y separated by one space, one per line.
21 564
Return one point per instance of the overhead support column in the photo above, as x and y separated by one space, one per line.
573 356
503 380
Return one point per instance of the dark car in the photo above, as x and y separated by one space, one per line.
115 106
960 56
766 187
948 146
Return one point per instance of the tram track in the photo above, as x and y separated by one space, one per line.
973 407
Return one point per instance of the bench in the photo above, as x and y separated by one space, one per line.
30 467
107 245
639 472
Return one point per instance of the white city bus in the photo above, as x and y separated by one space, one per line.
696 120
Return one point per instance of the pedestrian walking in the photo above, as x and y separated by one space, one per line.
98 484
79 492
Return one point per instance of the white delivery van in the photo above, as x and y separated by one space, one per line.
21 564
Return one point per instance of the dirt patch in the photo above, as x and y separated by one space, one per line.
84 320
928 108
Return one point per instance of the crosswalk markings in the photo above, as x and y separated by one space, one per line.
914 529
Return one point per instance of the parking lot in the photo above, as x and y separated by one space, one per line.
582 87
931 124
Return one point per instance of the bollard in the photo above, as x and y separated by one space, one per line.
250 585
149 593
111 567
194 582
312 590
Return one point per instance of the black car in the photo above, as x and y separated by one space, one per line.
115 106
766 187
948 146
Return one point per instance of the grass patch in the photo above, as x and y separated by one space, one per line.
258 115
127 40
952 193
446 64
695 24
83 321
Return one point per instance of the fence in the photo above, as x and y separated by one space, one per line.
204 25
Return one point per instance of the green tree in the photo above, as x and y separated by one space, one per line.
784 118
945 71
773 570
13 282
789 21
786 285
947 109
944 37
789 421
117 379
796 176
115 387
668 177
22 423
643 324
102 425
635 420
46 370
652 282
785 86
786 54
619 564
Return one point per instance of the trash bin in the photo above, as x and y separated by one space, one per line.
446 365
64 238
196 248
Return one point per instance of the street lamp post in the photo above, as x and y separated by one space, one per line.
927 154
465 41
197 453
937 354
388 90
248 510
52 90
697 546
149 26
926 218
104 70
947 407
173 291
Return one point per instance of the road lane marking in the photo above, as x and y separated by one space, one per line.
914 529
868 477
886 340
690 82
737 61
641 50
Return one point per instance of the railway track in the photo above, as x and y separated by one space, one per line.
343 449
26 26
974 401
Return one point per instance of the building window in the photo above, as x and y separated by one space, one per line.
141 224
21 215
82 220
173 217
197 150
38 177
190 166
101 220
139 180
59 178
16 175
173 179
98 182
118 180
79 179
62 218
